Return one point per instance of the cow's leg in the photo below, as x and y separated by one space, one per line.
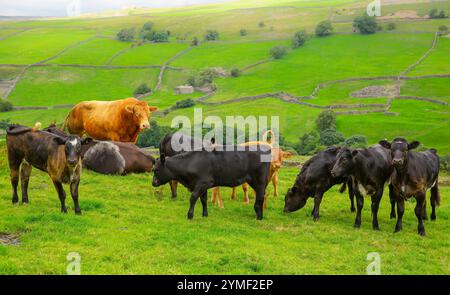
434 200
25 171
173 188
275 184
393 200
219 198
204 200
317 200
74 192
214 195
245 189
359 207
351 196
61 194
424 211
233 193
400 211
194 196
259 200
375 206
420 201
14 174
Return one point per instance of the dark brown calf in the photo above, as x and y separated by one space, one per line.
414 173
59 157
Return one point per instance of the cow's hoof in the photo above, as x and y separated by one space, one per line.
78 212
352 209
433 217
190 216
174 198
357 226
25 201
393 216
422 233
15 201
397 229
63 210
425 217
205 214
376 228
315 218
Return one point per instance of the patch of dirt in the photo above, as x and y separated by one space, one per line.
375 91
9 239
409 14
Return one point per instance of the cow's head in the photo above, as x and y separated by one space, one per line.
399 150
72 147
295 198
344 162
140 112
161 174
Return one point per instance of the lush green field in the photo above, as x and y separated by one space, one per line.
146 232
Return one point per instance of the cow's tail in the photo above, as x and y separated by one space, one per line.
272 137
343 187
65 123
435 195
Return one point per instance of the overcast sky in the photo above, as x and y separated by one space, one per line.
59 7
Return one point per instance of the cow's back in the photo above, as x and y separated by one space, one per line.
423 165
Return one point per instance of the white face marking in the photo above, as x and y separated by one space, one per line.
73 142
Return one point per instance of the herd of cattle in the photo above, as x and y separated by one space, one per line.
113 128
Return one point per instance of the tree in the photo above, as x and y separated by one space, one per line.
299 38
235 72
331 137
441 14
152 136
365 24
211 35
4 124
194 41
126 35
142 89
278 52
148 26
356 141
261 24
183 104
443 30
5 106
308 143
433 13
391 26
147 35
160 36
326 121
243 32
324 28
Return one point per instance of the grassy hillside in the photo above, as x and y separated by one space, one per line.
82 60
147 233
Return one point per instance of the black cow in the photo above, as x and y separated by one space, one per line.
369 169
175 143
314 180
59 157
414 173
200 170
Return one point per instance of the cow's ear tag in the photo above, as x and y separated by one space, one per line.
129 108
152 108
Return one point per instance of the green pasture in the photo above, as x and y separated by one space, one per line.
436 88
438 62
94 52
145 232
49 86
38 44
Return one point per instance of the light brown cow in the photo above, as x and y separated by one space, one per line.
118 120
277 158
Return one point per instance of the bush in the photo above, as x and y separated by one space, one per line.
445 163
204 78
211 35
194 41
161 36
148 26
185 103
142 89
308 143
235 72
4 124
356 141
331 137
326 121
5 106
152 136
324 28
365 24
299 38
243 32
261 24
434 13
278 52
443 30
126 35
391 26
147 35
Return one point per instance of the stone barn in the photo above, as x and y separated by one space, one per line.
184 89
